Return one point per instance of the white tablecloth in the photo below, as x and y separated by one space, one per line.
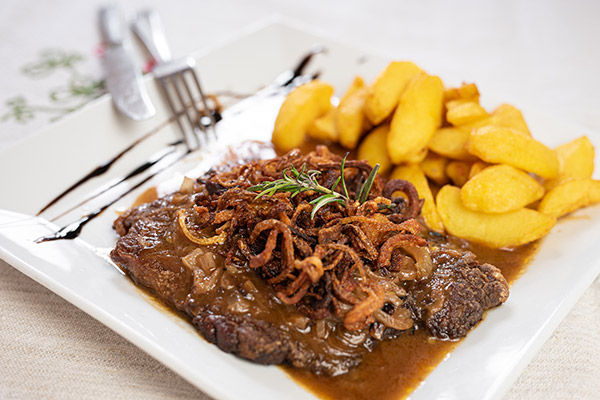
540 53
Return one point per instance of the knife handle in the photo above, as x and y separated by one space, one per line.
111 25
148 28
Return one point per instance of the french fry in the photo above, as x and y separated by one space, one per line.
570 196
434 167
323 128
384 93
509 229
349 116
575 161
500 188
373 148
458 172
416 118
414 174
500 145
301 107
461 112
452 143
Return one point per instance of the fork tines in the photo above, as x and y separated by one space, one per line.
184 94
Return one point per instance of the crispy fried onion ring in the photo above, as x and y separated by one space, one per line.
342 265
416 246
395 185
203 241
287 257
362 313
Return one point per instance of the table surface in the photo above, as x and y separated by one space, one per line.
544 54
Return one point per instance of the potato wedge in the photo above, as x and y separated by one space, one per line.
467 91
501 145
417 117
505 115
418 157
301 107
323 128
452 143
569 196
434 167
575 161
458 172
510 117
349 116
414 174
373 148
509 229
500 188
461 112
384 93
477 167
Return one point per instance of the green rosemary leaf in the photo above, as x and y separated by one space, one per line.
336 183
294 170
366 188
323 201
342 175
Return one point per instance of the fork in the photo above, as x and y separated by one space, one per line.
178 80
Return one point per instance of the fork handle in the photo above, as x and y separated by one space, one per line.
148 27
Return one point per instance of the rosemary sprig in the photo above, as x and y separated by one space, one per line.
295 182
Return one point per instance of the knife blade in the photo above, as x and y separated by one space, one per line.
123 76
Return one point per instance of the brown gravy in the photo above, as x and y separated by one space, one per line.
384 374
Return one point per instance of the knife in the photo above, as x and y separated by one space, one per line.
123 76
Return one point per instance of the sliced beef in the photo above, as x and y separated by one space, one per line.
455 297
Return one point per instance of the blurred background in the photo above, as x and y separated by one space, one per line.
543 55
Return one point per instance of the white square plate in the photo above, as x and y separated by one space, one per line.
36 170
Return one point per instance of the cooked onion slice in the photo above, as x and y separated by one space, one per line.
217 239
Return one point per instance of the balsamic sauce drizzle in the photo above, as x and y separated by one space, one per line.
104 167
136 171
72 230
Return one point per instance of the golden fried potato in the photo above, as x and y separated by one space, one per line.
467 91
384 93
501 145
510 117
414 174
458 172
509 229
301 107
500 188
349 116
417 117
373 148
418 157
477 167
575 160
569 196
434 167
323 128
452 143
505 115
461 112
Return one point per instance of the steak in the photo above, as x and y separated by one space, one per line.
355 273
